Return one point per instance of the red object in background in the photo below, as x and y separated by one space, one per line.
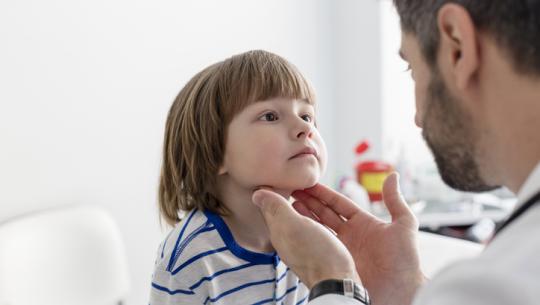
371 174
362 147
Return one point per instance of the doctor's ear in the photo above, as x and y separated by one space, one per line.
458 50
222 170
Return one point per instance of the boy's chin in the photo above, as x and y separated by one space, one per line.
298 183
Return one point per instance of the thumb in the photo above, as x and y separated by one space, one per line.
274 208
396 205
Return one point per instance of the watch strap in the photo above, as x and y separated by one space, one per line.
346 287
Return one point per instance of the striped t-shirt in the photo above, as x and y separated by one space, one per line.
200 263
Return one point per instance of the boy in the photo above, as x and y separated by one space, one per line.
238 125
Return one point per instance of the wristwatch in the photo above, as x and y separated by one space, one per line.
346 287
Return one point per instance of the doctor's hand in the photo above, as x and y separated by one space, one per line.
385 254
307 247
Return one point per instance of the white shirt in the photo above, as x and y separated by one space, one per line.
200 263
507 271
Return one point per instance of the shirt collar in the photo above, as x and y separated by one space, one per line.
530 187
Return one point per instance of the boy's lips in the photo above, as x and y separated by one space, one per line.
305 151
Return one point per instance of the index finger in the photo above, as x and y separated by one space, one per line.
335 201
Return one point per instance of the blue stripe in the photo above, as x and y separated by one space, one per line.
236 249
286 293
283 275
209 278
179 238
196 257
302 300
205 227
264 301
237 289
164 243
171 292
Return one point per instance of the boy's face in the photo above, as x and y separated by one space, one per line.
274 143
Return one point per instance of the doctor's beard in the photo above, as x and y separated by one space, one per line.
449 133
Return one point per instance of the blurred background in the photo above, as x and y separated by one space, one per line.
85 87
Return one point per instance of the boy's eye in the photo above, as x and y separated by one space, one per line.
307 118
269 116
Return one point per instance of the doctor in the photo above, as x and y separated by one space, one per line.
476 66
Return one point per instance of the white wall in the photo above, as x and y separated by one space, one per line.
358 110
85 87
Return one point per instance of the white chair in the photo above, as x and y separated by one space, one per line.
66 256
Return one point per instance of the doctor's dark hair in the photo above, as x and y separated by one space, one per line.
514 24
196 127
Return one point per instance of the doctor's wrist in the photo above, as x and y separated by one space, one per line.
316 277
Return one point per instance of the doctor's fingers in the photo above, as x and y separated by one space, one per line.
334 200
274 208
301 208
324 214
396 205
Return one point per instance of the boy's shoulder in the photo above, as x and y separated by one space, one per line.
190 254
199 259
186 238
193 242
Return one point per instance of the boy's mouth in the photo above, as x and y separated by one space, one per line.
305 151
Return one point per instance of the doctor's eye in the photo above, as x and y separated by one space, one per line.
307 117
269 116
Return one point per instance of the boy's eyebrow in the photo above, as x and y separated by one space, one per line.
306 102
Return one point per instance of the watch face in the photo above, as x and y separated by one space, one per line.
361 294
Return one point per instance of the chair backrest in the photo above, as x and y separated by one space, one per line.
72 255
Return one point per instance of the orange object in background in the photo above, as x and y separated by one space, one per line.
371 174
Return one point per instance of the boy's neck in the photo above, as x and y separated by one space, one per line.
245 220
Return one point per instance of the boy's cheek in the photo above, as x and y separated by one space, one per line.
324 165
324 156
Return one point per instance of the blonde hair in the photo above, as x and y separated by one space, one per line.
196 126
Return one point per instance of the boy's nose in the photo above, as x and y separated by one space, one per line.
304 130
